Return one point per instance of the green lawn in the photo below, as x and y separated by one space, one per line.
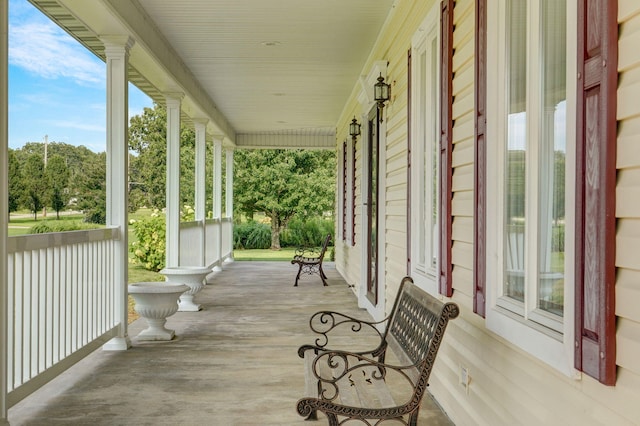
21 225
266 254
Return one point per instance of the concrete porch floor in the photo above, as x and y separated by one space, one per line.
233 363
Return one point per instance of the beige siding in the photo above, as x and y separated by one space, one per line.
392 46
463 150
628 213
508 386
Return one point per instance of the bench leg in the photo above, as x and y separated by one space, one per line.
312 416
298 276
323 277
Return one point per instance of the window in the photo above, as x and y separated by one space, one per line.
530 200
425 154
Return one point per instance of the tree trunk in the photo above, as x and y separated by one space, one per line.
275 233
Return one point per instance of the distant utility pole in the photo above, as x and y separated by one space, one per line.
46 142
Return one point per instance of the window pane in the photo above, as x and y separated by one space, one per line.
514 155
552 150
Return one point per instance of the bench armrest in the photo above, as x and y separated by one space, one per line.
325 322
308 252
332 366
340 372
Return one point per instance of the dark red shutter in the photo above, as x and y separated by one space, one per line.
446 145
595 189
353 193
409 78
344 190
479 259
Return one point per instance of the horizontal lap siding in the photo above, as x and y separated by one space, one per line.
464 343
508 386
628 214
404 23
462 155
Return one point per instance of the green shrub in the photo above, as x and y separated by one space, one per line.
187 214
150 248
96 215
309 233
47 226
252 235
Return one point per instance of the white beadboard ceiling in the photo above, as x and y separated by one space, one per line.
253 67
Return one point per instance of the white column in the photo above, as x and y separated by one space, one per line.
201 190
217 177
117 57
229 186
217 195
229 198
174 101
4 214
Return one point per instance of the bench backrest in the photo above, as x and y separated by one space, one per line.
416 328
324 246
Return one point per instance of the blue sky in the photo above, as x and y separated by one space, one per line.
56 86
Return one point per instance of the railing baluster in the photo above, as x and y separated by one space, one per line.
61 298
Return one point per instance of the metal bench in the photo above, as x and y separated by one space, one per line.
360 385
310 261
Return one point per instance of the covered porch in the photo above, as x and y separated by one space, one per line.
233 363
242 77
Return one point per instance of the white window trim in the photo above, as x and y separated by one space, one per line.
424 274
555 349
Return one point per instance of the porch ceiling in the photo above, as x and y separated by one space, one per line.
258 69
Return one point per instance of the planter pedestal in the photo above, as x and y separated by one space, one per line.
192 276
155 301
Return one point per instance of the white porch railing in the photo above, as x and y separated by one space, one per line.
217 235
227 238
61 302
191 243
212 246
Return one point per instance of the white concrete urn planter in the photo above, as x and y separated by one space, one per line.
193 276
155 301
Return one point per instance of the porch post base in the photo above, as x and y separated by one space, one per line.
117 344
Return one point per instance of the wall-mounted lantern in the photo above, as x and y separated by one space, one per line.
354 128
381 93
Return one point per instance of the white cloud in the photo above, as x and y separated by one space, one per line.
45 50
76 125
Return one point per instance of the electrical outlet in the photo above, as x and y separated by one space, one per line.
465 378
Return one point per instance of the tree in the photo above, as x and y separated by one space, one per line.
35 183
57 178
15 182
284 184
75 158
148 169
92 189
147 139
